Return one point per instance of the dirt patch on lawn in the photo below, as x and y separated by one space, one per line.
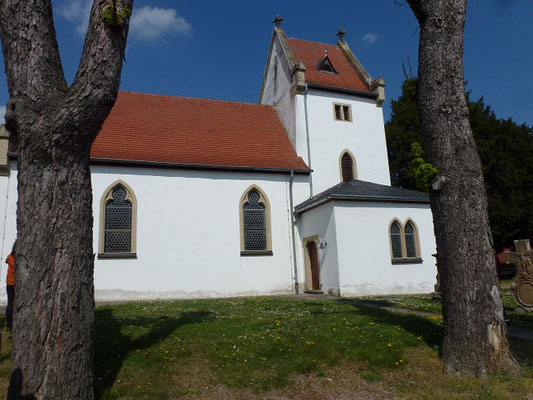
339 383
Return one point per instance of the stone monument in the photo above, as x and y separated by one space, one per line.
436 296
522 286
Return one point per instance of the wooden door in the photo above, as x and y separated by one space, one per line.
313 259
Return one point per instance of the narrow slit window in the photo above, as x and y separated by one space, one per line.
338 114
346 112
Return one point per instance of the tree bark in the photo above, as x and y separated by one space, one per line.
475 334
54 126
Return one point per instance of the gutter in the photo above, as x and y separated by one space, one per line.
158 164
360 93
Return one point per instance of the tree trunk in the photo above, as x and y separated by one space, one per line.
54 126
54 291
475 334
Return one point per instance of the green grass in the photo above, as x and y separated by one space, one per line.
262 342
424 302
253 347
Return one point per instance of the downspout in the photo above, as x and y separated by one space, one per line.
293 238
308 143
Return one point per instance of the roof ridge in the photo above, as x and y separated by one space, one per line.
196 98
313 41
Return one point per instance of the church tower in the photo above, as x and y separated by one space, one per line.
330 107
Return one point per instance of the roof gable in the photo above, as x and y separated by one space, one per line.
183 130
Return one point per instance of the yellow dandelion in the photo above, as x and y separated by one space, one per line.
390 345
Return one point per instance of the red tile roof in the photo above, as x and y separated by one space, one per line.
310 52
183 130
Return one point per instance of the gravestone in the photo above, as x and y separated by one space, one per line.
436 296
522 286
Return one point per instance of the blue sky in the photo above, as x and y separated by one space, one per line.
217 49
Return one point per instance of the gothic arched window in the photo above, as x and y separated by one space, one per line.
410 240
255 223
404 242
396 240
348 167
118 221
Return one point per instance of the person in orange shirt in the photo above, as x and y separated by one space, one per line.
10 287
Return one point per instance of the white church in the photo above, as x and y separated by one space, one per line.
207 198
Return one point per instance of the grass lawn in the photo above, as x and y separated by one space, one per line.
423 302
276 347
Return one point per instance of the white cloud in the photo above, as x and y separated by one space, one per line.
371 38
77 12
149 23
2 114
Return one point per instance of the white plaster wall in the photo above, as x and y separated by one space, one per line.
8 213
365 266
364 137
277 90
321 221
188 234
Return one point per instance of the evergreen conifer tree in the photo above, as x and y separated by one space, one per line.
505 149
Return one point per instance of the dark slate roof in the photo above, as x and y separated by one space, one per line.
357 190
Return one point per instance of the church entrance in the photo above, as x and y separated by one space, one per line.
312 266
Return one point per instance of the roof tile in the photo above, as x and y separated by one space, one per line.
183 130
310 52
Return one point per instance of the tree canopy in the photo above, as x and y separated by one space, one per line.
505 149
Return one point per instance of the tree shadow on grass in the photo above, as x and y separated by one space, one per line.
522 350
112 346
421 327
384 303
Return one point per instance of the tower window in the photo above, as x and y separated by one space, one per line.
347 168
342 112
